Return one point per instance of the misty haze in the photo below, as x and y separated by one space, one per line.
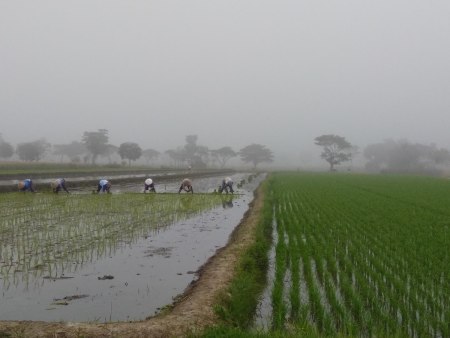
232 73
224 168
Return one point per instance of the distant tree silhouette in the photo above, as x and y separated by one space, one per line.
150 154
222 155
96 142
195 155
336 149
256 153
177 155
6 150
72 150
32 151
130 151
405 157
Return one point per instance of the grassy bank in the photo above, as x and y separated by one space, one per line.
236 305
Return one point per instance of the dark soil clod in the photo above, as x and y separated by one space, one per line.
105 277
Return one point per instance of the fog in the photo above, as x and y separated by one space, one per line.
277 73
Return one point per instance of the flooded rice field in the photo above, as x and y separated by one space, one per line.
123 256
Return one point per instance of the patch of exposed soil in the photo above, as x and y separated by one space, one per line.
192 312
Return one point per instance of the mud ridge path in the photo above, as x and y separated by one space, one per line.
191 313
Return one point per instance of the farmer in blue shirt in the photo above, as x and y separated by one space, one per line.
26 185
227 183
104 186
59 184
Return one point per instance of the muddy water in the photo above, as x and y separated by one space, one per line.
136 280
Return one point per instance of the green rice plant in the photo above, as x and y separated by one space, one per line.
44 234
379 244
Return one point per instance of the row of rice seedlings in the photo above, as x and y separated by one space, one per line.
400 274
71 231
397 308
279 308
369 271
399 264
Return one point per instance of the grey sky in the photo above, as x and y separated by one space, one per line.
277 73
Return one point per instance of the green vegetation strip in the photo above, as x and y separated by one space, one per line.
369 254
48 235
236 305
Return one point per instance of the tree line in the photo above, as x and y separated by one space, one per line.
396 156
95 144
389 156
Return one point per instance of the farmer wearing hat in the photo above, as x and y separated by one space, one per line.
149 185
103 186
59 184
186 185
227 183
26 185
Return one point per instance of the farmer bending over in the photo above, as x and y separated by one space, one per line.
59 184
186 185
26 185
149 185
227 183
103 186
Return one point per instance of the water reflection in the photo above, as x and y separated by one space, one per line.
48 236
227 201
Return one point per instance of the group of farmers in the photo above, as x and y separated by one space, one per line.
105 186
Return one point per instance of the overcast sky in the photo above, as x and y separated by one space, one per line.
233 72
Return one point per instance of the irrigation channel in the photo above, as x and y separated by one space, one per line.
111 261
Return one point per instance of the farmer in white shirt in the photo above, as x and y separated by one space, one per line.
149 185
227 183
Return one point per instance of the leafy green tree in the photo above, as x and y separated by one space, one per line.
32 151
130 151
256 153
150 154
336 149
96 142
222 155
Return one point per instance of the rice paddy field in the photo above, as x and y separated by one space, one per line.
107 257
358 255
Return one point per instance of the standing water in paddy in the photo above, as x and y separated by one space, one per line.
109 257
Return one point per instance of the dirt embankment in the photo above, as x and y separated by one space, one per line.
192 312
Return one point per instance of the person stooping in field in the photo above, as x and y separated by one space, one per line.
59 184
227 183
26 185
104 186
186 185
149 185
